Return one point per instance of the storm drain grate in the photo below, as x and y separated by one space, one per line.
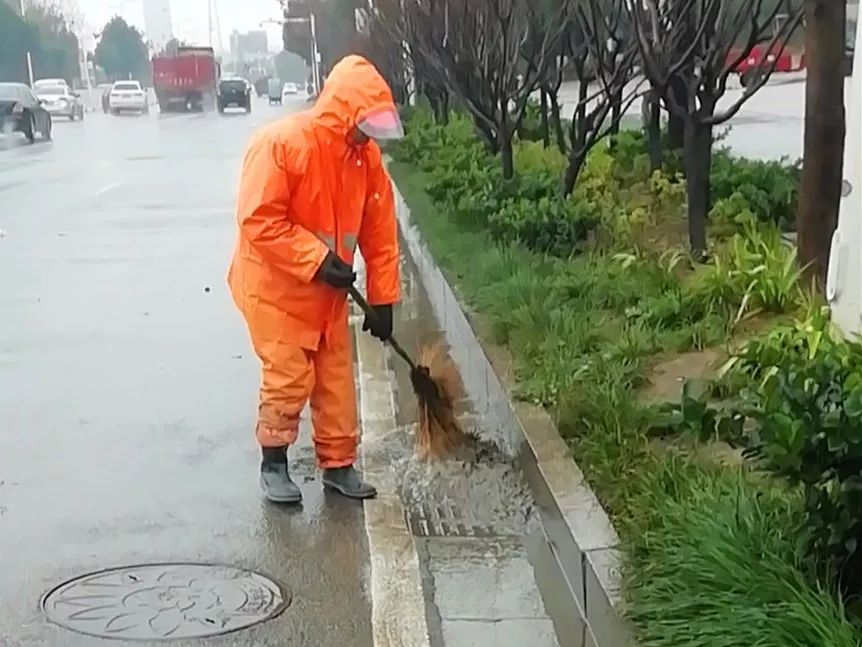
442 519
163 602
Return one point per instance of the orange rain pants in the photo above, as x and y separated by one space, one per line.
305 189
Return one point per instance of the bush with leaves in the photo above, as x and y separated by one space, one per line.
768 189
531 122
550 225
804 399
755 271
793 399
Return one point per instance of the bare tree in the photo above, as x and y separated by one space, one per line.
479 48
393 37
382 43
822 170
550 85
602 49
700 43
550 82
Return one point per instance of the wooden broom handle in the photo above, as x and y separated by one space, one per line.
369 312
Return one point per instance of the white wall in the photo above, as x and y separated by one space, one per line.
844 285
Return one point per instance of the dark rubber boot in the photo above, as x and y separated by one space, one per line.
348 482
275 477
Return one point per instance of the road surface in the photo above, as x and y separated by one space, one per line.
769 125
127 403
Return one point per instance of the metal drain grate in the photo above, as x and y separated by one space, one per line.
442 519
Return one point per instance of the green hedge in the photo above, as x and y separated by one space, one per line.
615 191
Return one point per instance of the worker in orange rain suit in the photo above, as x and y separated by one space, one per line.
313 187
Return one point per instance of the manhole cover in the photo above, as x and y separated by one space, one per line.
165 601
442 519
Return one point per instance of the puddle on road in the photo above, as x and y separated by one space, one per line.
479 491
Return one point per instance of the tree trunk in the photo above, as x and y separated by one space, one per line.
652 125
488 135
573 170
578 135
443 103
697 151
616 115
507 155
675 122
557 121
820 191
546 130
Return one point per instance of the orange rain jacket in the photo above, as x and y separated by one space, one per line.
305 190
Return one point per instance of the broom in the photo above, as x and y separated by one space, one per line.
437 386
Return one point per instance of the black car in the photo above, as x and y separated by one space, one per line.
21 110
234 92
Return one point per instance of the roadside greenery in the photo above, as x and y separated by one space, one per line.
46 33
792 399
590 293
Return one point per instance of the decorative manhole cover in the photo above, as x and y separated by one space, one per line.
165 601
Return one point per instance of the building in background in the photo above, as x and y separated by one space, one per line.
249 47
157 23
249 54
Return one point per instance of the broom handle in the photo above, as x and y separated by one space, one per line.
369 312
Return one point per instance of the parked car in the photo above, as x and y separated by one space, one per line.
48 83
129 96
20 110
234 91
60 101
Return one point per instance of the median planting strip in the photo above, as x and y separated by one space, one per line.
706 553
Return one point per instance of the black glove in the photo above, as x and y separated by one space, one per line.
380 325
335 272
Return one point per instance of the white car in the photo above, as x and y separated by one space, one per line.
289 89
49 83
60 101
128 95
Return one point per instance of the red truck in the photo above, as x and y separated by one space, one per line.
186 79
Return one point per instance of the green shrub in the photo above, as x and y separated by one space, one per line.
711 563
755 271
803 400
550 225
531 123
768 189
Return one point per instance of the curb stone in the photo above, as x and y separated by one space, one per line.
579 531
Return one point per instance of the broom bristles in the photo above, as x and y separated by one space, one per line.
438 387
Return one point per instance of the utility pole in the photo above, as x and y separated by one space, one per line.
29 55
210 22
315 52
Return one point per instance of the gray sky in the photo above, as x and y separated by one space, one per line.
189 17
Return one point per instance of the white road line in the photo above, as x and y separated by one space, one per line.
105 189
397 602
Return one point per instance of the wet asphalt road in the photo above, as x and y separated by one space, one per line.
770 125
127 387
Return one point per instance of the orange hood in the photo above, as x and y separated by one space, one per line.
353 90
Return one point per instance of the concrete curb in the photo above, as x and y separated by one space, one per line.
576 526
397 602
